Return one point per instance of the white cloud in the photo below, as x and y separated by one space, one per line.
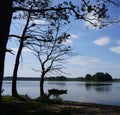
115 49
69 41
73 36
102 41
94 20
83 60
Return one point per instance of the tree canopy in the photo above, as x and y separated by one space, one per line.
99 76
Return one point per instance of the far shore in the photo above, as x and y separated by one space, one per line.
9 78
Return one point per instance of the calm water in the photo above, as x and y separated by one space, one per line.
77 91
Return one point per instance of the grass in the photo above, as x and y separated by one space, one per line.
14 106
44 106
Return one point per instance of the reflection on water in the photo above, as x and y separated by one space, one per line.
99 87
94 92
7 82
57 83
102 89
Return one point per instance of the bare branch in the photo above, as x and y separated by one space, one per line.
12 35
41 10
113 2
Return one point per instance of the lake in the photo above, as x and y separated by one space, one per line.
94 92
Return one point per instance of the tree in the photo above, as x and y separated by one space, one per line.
51 51
61 78
88 77
64 9
22 39
28 33
108 77
5 21
100 76
31 32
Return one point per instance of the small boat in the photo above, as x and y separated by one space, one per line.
57 91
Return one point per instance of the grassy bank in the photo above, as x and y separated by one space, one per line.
42 106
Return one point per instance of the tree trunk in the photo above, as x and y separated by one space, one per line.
42 85
14 80
15 72
5 21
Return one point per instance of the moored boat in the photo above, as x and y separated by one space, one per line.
57 91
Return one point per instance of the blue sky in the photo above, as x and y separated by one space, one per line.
96 50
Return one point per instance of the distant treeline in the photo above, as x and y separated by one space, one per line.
23 78
57 78
63 78
99 76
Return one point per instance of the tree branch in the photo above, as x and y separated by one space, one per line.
12 35
40 10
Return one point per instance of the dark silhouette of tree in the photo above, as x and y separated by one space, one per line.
64 10
16 66
88 77
28 33
61 78
100 76
50 53
108 77
5 21
57 78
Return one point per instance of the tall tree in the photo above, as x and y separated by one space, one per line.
5 21
29 32
16 66
51 51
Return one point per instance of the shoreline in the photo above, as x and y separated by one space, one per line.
83 108
79 102
93 108
89 103
56 107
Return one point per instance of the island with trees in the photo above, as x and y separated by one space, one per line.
99 76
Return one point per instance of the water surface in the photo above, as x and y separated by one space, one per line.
104 93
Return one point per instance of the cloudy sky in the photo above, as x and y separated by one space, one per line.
96 50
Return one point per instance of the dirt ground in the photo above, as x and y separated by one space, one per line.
76 108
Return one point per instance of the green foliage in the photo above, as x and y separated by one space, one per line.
58 78
10 99
88 77
14 99
99 76
61 78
